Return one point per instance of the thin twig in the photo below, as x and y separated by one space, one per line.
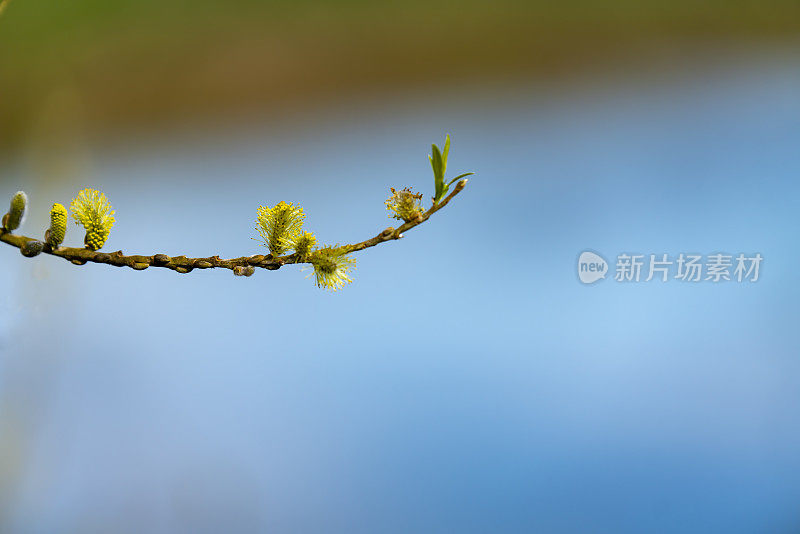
182 264
396 233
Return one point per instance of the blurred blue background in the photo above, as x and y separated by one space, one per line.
466 381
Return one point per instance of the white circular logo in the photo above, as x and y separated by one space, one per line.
591 267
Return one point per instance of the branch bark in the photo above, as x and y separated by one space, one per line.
244 265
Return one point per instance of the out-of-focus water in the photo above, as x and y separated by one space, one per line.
466 382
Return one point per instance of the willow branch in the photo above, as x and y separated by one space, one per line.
396 233
244 265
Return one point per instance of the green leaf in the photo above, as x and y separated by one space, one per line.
438 174
437 160
445 152
460 176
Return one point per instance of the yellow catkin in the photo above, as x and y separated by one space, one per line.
58 225
92 209
279 226
332 267
404 204
304 244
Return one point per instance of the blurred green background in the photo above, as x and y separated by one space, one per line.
132 64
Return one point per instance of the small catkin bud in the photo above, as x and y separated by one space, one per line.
160 259
404 204
16 213
243 270
304 244
31 248
58 225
